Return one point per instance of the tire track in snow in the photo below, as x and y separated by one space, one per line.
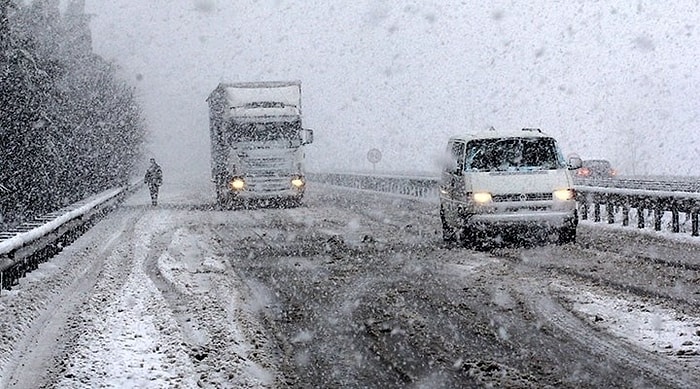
204 295
130 342
52 335
659 369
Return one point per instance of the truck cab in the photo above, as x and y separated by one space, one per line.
258 143
507 181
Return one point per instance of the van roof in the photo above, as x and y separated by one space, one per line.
491 134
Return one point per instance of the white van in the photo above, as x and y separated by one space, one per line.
499 180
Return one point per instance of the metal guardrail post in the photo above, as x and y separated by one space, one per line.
694 223
675 221
657 218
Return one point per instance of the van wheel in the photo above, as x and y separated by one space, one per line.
567 235
469 237
448 232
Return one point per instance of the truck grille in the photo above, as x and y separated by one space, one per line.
268 184
267 174
270 164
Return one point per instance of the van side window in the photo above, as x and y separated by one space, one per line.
457 154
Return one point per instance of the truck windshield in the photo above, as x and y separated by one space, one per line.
513 154
266 132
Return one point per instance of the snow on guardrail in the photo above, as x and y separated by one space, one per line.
21 239
25 246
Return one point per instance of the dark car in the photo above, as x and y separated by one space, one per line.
596 168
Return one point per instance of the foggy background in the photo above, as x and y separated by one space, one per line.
610 79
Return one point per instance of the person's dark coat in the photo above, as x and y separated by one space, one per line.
154 175
154 179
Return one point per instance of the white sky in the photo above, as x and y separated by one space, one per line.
610 79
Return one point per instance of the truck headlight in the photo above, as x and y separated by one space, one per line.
237 184
482 197
564 194
298 182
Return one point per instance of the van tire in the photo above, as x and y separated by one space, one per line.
469 238
449 234
567 235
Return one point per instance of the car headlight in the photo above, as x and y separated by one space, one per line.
237 184
482 197
564 194
297 182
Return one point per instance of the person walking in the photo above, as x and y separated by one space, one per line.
154 179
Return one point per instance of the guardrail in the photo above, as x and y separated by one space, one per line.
673 184
624 200
23 248
424 187
618 204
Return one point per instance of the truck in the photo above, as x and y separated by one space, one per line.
257 143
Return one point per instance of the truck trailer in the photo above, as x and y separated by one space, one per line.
257 143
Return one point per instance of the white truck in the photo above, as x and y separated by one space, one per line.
257 143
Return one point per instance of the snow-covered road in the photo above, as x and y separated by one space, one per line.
352 289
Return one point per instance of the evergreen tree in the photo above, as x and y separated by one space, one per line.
68 127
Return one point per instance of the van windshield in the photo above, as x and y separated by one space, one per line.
513 154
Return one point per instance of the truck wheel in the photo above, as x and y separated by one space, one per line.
448 232
293 202
221 199
228 202
567 235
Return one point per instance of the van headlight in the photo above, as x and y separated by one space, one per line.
298 182
564 194
237 184
481 197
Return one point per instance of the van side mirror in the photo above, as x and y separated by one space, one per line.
575 163
454 167
307 136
